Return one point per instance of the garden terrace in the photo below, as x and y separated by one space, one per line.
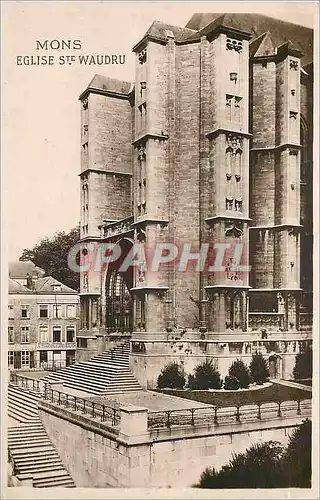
272 393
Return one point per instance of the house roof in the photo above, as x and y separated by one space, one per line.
101 82
45 285
281 31
157 30
24 269
16 287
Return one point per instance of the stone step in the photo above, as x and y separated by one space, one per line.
28 426
26 440
47 474
100 369
45 451
39 460
30 433
23 391
37 469
16 406
52 484
92 387
16 414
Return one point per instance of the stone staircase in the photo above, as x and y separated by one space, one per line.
105 374
33 454
30 448
22 404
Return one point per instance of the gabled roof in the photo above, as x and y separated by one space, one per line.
16 287
157 30
24 269
46 285
101 82
281 31
262 46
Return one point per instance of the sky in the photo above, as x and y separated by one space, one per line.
40 107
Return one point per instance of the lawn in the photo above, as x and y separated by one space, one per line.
274 392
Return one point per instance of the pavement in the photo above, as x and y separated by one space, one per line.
154 401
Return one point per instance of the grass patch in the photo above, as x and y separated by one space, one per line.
274 392
304 381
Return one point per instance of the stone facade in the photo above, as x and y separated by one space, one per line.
211 145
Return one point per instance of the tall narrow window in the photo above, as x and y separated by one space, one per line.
44 333
43 311
25 334
10 312
10 359
57 311
25 312
10 335
25 358
71 311
56 334
119 303
70 334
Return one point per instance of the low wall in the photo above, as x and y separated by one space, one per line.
147 367
98 455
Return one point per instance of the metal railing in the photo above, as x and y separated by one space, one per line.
221 416
91 409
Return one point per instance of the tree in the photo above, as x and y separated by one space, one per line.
267 465
297 459
258 467
240 371
51 254
259 369
303 365
171 376
231 383
205 377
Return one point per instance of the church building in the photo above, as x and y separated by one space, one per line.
210 146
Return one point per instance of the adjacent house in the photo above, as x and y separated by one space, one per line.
42 319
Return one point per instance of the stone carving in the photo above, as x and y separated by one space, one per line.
85 281
235 230
142 57
229 203
85 104
235 45
271 321
232 270
141 154
234 144
294 65
238 204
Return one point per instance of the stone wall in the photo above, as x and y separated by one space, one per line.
135 457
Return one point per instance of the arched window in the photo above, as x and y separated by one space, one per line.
119 303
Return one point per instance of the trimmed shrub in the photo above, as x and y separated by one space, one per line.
241 372
259 369
231 383
303 365
205 377
171 376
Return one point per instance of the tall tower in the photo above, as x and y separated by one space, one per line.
105 179
225 174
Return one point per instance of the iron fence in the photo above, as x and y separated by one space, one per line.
91 409
218 416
